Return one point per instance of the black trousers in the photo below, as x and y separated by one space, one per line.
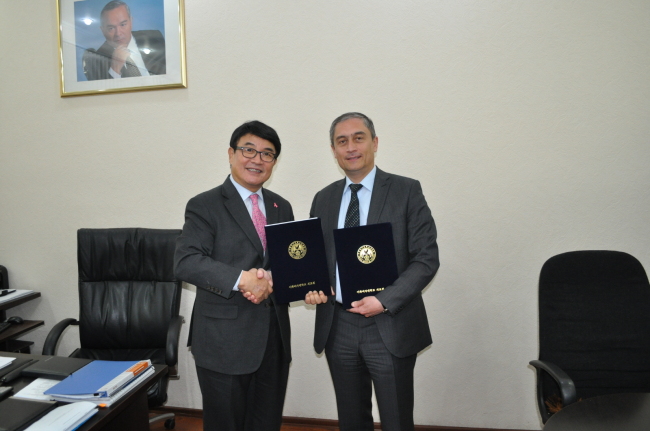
247 402
359 359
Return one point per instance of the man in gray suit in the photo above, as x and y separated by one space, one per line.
125 53
240 337
378 339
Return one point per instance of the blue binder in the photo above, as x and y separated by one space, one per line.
89 379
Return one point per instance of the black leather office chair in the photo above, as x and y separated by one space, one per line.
129 302
594 327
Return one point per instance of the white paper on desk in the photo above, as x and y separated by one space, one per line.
34 390
65 418
5 361
14 295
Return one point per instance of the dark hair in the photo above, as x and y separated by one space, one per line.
258 129
114 4
366 121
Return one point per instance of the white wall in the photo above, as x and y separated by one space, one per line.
525 121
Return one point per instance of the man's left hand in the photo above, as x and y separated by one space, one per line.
368 306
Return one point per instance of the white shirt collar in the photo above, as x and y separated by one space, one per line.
244 192
367 182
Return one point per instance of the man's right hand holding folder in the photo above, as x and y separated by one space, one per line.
315 298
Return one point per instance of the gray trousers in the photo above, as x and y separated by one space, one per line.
359 359
247 402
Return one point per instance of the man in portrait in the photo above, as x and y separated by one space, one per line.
125 53
376 342
240 336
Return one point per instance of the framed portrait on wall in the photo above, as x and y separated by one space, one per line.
108 46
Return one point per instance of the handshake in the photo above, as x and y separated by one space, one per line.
256 285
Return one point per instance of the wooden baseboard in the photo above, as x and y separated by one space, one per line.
313 422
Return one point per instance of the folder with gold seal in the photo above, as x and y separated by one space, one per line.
297 254
366 259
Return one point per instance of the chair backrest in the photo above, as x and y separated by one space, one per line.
594 321
127 290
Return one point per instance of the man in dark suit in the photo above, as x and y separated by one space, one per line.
378 339
240 337
125 53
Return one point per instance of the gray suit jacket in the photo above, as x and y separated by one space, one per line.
398 200
151 45
228 332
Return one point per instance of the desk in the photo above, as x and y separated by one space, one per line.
129 413
8 340
615 412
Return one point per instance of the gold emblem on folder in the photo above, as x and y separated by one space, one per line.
297 249
366 254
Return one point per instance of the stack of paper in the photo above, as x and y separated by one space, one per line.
65 418
34 390
5 362
101 382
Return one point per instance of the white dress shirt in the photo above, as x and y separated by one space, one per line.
364 194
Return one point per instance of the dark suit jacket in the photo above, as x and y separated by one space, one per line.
398 200
97 63
228 332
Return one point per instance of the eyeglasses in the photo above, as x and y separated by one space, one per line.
250 153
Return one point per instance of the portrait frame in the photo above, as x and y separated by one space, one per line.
157 29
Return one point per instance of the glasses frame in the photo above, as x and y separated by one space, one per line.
244 153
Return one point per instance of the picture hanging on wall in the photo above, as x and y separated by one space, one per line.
109 46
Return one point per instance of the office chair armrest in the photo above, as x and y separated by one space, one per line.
567 387
49 348
173 335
